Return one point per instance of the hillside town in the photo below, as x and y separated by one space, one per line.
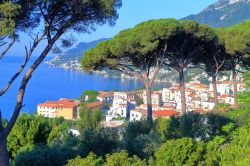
120 106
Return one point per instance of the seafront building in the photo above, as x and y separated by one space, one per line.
65 108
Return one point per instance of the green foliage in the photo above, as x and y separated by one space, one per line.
92 94
145 145
161 126
140 139
58 132
183 151
122 159
90 160
31 130
224 106
141 41
99 141
28 131
133 129
212 156
193 125
89 119
8 11
120 118
235 38
56 155
116 159
238 151
240 116
5 122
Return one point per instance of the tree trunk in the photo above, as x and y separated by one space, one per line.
235 87
4 155
149 104
182 89
214 82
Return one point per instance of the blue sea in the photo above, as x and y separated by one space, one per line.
49 83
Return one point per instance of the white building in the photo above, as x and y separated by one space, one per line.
173 94
226 98
156 98
137 114
166 95
226 87
197 87
123 102
105 97
198 103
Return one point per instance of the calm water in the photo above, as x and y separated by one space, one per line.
53 83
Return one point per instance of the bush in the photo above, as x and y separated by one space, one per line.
45 155
122 159
183 151
90 160
100 141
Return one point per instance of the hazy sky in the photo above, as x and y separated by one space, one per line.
131 13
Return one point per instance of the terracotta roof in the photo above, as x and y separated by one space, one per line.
200 110
224 96
157 93
62 103
191 95
94 104
105 94
174 88
199 85
165 113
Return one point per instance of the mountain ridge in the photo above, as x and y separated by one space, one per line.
223 13
71 58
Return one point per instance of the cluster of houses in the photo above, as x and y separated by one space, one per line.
133 105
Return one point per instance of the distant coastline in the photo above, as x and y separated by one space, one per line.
75 66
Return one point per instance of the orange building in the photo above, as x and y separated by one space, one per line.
165 113
65 108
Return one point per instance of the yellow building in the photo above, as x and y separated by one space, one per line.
65 108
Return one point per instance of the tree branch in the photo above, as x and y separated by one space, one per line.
28 55
1 122
158 65
8 47
28 75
